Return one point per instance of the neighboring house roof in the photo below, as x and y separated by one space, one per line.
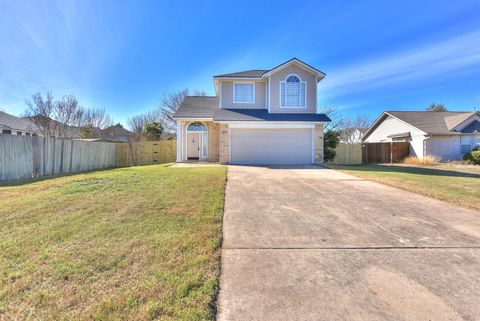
430 122
115 134
259 73
264 115
116 131
197 107
16 123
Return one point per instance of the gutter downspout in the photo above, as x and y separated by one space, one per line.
425 146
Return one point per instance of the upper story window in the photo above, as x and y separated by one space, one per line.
292 92
244 93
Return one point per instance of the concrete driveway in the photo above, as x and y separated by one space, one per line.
315 244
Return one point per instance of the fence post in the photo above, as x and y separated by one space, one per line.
391 152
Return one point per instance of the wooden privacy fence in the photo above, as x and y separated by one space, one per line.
27 156
146 153
348 154
388 152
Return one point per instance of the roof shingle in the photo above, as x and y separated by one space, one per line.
264 115
256 73
432 122
197 107
16 123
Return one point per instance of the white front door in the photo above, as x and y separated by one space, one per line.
193 145
271 146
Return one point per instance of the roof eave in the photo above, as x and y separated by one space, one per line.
380 118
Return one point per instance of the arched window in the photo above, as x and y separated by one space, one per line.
293 79
197 127
293 92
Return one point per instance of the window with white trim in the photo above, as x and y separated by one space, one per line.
292 92
243 93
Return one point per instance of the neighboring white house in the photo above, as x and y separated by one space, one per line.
352 135
445 135
12 125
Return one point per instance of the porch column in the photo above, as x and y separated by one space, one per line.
179 141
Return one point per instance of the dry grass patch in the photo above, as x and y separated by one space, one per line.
427 160
137 243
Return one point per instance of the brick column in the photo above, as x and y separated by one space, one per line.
318 144
224 144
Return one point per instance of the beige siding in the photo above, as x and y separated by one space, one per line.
227 95
311 88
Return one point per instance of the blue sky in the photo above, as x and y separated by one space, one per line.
123 55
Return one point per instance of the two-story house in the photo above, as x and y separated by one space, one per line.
256 117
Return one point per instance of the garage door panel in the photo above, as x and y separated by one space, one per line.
271 146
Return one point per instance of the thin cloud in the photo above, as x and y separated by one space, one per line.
427 62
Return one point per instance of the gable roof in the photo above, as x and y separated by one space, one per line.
259 73
17 123
197 107
431 123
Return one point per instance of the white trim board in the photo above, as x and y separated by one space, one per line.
270 126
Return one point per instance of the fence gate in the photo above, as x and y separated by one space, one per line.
388 152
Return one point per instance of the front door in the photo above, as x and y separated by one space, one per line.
193 145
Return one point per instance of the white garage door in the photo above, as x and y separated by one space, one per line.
271 146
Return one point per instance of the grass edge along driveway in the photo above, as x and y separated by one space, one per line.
138 243
460 186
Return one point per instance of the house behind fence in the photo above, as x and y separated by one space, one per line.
27 157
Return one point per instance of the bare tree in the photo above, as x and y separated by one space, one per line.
97 118
169 104
352 129
138 123
334 114
93 121
60 118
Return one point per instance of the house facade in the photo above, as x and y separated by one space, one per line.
12 125
256 117
444 135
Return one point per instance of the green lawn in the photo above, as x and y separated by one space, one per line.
139 243
460 186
